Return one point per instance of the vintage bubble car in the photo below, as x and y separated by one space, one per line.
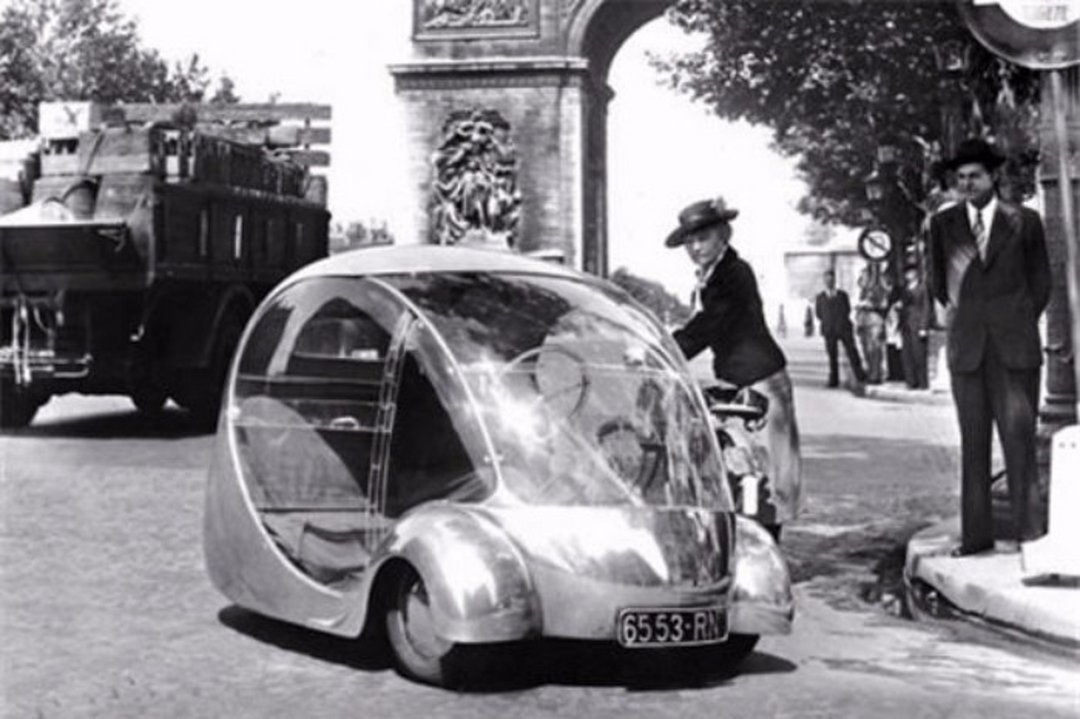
455 449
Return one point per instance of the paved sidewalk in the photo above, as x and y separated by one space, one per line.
989 587
899 392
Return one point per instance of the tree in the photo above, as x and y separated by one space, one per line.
652 294
83 50
836 80
225 93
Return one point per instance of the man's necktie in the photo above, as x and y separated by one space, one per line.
980 235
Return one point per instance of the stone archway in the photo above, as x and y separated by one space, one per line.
506 104
537 70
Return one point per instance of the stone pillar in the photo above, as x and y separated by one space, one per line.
543 101
1059 408
595 255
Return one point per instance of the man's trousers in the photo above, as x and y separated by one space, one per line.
831 349
994 394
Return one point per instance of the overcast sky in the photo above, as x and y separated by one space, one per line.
664 152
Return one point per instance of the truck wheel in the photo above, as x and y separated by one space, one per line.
203 388
17 406
149 398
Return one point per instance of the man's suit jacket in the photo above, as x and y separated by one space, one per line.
916 310
731 322
834 313
1001 298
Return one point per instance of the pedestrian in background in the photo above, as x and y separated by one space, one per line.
728 318
915 321
833 310
990 270
894 338
871 322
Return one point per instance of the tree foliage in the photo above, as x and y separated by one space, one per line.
834 80
652 294
84 50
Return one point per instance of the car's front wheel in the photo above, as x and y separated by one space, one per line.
419 652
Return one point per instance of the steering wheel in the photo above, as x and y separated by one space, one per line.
558 375
636 459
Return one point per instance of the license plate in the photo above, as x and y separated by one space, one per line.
671 627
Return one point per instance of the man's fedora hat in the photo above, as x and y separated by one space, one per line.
975 150
698 215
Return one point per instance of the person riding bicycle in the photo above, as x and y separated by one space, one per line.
728 319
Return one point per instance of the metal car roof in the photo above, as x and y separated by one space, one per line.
399 259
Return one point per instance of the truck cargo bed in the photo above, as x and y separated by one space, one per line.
82 255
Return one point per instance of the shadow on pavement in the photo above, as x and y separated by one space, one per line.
169 423
367 655
524 665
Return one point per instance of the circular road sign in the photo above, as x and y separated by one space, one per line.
1038 34
875 244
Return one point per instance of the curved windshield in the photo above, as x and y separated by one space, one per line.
577 390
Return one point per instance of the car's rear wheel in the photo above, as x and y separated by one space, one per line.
688 666
737 648
419 652
704 664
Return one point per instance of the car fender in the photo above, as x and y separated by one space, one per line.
477 580
761 599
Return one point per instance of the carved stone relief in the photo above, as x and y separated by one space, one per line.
474 192
449 14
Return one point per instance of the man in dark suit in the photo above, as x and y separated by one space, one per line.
990 270
915 321
728 319
833 310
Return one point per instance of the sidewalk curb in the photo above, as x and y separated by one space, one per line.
898 392
990 587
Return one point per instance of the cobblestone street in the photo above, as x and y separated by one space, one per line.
103 586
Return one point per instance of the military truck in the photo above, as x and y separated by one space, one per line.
142 248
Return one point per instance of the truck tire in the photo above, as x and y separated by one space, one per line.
149 398
202 389
17 405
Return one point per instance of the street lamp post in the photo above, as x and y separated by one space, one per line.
952 58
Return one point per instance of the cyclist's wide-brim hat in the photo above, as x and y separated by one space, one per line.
698 215
975 151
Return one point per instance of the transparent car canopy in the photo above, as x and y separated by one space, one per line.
376 394
579 396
